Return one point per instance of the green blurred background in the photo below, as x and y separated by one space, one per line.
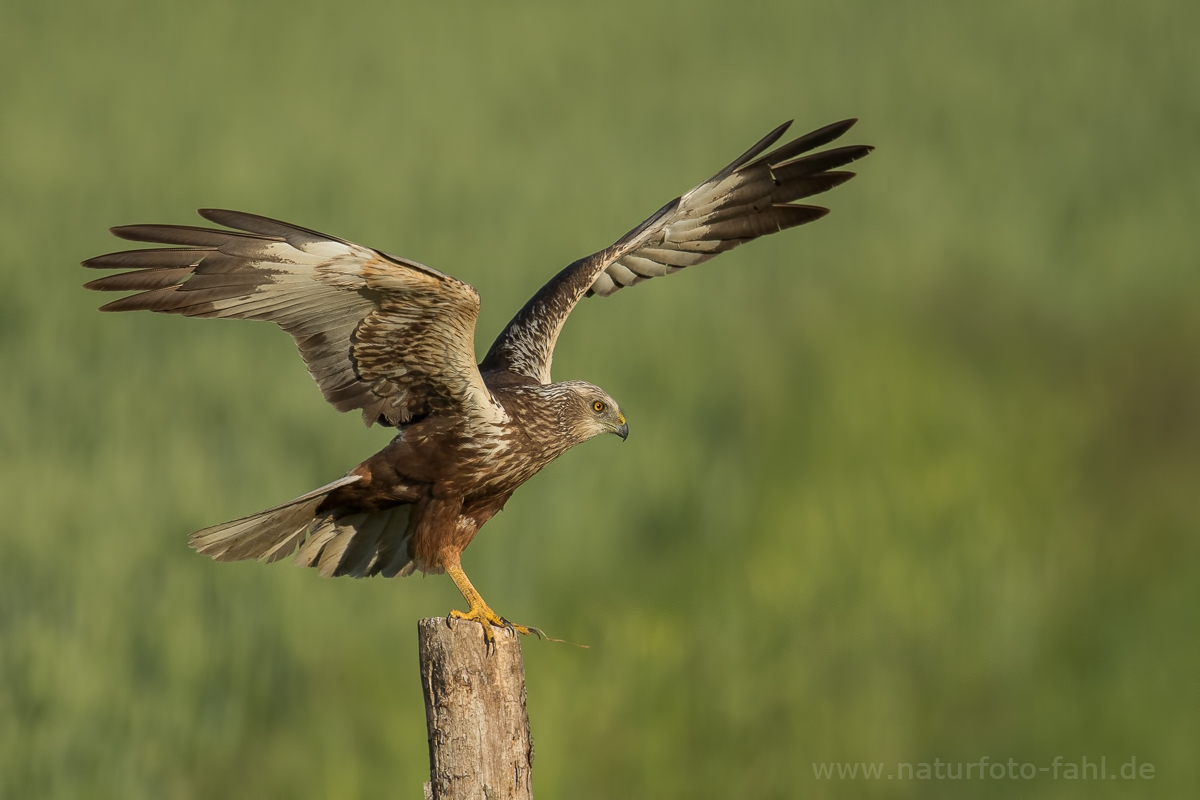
918 481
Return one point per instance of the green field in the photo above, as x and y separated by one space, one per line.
916 482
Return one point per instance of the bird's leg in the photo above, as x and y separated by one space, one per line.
479 610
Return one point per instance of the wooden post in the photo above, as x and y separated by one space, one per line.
479 741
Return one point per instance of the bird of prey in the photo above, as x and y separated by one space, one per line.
394 339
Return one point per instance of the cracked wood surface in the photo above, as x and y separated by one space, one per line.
479 740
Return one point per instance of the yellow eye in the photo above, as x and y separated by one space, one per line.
598 407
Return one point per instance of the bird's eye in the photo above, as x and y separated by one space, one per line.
598 407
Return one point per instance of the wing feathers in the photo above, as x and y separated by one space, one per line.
264 226
142 259
763 143
385 335
807 186
673 257
163 299
146 279
751 197
771 220
394 337
176 234
809 141
818 162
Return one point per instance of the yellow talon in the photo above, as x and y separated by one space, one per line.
489 619
480 611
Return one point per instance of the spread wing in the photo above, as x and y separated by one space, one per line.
382 334
751 197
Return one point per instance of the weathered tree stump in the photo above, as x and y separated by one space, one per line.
479 740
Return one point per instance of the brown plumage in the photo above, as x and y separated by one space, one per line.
395 340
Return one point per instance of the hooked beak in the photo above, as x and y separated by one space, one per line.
622 430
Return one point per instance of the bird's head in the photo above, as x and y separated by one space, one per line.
589 411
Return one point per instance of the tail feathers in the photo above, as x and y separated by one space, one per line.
394 556
268 535
360 544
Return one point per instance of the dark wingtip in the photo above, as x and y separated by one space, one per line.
762 144
802 214
225 216
808 142
108 260
115 305
133 233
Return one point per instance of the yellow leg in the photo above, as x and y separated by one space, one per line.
479 610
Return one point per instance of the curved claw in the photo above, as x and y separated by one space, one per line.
524 630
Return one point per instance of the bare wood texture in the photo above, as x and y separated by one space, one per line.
479 741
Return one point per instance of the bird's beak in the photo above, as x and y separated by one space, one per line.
622 430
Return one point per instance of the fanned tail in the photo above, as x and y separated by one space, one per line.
358 544
268 535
